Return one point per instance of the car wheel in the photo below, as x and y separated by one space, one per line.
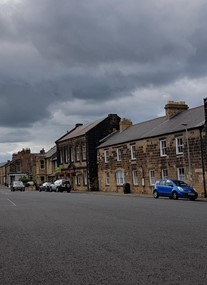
174 195
155 194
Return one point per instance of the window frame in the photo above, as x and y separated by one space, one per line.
42 164
120 179
181 176
61 156
85 177
135 177
179 146
107 179
78 179
77 153
118 154
163 174
106 156
133 152
84 151
163 148
66 154
152 179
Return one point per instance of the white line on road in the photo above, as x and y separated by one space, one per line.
11 202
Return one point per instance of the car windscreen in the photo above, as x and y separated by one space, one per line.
180 183
18 183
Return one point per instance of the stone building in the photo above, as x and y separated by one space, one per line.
77 153
21 165
3 173
26 164
172 146
51 163
40 174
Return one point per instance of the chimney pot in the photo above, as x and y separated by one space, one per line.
173 108
124 124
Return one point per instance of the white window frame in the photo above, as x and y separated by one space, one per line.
135 177
181 173
78 179
66 154
85 177
133 152
120 180
179 145
164 173
84 151
72 154
163 148
77 153
107 178
61 156
152 177
106 156
118 154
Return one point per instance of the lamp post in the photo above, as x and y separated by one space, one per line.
189 162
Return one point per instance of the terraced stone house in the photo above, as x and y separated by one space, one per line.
173 146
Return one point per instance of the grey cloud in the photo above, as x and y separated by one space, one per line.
16 136
58 51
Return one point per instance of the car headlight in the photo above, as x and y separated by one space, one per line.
180 188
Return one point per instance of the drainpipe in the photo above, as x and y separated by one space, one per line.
203 167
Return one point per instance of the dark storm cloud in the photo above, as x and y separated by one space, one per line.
16 136
56 51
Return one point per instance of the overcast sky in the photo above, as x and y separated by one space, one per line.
64 62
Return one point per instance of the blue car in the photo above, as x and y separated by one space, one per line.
174 189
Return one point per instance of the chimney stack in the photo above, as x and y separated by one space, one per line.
124 124
173 108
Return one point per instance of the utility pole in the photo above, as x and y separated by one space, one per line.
188 150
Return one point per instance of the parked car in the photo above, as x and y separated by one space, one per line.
17 185
174 189
46 186
53 187
62 185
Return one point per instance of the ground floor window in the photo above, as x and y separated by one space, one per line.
181 173
164 174
78 179
85 177
135 177
120 177
107 178
152 177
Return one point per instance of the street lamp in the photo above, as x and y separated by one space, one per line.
189 162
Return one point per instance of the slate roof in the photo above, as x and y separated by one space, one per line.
51 152
194 118
80 130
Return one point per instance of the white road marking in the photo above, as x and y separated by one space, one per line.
11 202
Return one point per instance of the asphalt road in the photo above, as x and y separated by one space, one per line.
90 238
